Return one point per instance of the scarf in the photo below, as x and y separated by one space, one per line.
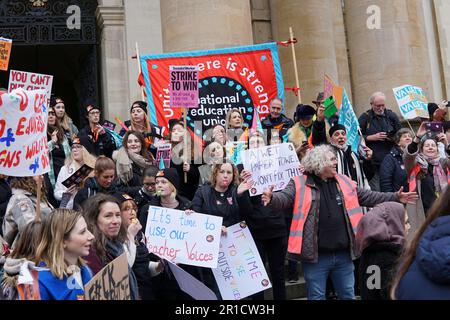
124 164
113 250
439 176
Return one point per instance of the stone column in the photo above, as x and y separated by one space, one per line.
113 59
142 25
388 57
199 24
262 28
313 24
441 10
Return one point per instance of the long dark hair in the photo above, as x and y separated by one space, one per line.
144 152
56 126
91 211
441 207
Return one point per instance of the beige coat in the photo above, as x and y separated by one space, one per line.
20 211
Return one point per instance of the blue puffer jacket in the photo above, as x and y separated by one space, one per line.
428 277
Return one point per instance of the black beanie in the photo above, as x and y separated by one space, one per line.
335 128
122 197
432 107
170 174
139 104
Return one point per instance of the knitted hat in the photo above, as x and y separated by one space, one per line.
335 128
91 107
432 107
122 197
170 174
139 104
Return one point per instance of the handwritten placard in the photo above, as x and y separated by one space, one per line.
5 52
190 239
23 133
163 152
30 81
271 165
411 101
240 271
110 283
184 86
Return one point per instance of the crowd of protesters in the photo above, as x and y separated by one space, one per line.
386 205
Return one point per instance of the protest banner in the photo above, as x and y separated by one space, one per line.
5 53
348 119
271 165
234 151
183 86
23 133
163 155
190 284
240 77
411 101
240 271
110 283
190 239
30 81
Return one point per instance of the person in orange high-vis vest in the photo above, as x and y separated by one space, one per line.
326 212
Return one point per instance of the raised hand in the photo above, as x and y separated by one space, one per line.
266 196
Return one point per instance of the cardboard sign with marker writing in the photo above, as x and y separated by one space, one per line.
110 283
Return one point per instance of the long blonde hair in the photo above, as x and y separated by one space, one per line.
56 229
88 159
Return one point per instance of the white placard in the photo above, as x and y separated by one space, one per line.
30 81
23 133
190 239
240 271
271 165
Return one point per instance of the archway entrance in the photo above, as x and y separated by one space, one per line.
43 43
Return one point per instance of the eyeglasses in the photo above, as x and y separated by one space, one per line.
150 184
77 146
94 112
51 113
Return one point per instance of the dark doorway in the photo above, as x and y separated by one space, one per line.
43 43
67 64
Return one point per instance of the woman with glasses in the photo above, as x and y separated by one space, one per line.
78 157
59 151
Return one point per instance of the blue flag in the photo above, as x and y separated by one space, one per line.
348 119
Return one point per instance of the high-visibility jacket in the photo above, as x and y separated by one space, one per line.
412 179
302 206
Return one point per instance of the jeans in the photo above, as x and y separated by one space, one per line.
339 266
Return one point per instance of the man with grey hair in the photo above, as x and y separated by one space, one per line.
326 212
378 126
276 120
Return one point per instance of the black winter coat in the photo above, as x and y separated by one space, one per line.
385 256
205 201
104 145
392 172
371 123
